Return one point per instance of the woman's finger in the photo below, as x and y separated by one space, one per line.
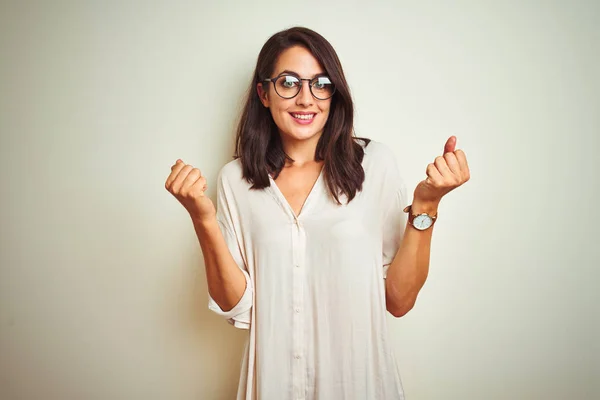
183 173
440 163
452 163
175 169
433 175
191 179
464 165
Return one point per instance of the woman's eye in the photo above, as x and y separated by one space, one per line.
290 82
321 82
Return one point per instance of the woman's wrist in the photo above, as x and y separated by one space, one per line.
205 222
429 207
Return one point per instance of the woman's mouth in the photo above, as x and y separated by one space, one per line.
303 118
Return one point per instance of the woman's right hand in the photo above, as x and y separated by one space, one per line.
187 184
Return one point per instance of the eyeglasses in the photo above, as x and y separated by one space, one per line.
288 86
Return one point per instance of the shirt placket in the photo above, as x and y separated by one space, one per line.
299 351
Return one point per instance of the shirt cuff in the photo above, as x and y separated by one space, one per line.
239 315
385 270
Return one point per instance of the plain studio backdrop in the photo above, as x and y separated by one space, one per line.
103 292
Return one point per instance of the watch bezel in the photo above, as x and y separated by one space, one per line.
412 217
420 217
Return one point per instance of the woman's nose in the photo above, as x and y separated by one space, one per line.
305 97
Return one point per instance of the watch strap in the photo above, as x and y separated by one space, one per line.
411 216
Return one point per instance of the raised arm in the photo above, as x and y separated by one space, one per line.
229 286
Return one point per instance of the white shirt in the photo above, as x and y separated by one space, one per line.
315 296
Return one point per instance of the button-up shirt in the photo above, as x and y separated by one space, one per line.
314 302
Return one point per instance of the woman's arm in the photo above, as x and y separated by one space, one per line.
408 271
229 286
226 281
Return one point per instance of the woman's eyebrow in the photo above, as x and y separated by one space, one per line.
289 72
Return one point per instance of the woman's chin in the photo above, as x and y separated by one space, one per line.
300 135
303 133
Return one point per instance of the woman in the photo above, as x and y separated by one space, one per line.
311 241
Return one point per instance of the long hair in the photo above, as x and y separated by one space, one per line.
258 144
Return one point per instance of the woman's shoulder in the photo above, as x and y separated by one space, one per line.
382 167
231 173
378 153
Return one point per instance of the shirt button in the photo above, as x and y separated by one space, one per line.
297 266
297 356
297 310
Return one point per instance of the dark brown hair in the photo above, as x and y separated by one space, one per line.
258 143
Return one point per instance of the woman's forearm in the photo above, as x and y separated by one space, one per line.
226 282
410 267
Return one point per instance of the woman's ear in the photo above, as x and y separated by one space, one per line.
262 94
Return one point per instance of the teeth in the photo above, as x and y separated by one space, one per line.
303 116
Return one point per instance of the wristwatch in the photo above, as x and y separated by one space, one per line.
420 221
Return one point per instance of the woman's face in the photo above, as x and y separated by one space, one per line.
303 116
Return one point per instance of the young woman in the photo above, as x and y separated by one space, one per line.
311 242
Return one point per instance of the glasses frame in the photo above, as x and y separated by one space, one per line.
310 85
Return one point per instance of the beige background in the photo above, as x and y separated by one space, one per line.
102 287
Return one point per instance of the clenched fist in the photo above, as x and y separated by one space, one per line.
444 175
187 184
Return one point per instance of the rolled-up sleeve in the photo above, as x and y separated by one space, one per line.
240 315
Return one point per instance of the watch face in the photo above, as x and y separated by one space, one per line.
422 222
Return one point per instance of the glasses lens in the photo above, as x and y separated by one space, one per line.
322 87
287 86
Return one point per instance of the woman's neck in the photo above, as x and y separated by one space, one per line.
301 151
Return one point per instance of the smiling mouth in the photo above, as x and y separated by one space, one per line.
305 117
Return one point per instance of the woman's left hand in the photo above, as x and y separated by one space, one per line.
446 173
